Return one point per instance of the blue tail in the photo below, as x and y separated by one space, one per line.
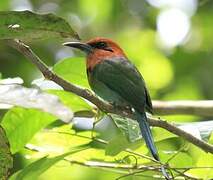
147 135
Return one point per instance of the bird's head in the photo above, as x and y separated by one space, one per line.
98 49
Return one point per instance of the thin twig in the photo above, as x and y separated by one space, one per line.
191 167
27 52
113 165
178 152
133 174
105 142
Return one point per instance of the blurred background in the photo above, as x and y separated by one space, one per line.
170 41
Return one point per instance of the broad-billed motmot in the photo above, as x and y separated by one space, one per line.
115 79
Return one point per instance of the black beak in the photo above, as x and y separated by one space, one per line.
82 46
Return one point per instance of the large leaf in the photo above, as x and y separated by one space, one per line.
71 100
27 25
73 70
18 95
129 127
35 169
116 145
16 80
204 160
21 124
6 160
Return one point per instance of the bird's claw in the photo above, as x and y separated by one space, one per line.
123 107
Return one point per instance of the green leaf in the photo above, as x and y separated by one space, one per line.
5 4
21 124
35 169
205 160
132 131
6 160
26 25
17 95
182 159
116 145
161 134
71 100
211 138
73 70
129 127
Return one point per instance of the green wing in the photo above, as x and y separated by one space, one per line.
122 77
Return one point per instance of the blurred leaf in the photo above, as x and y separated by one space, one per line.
205 160
147 56
21 124
18 95
93 10
10 81
27 25
204 40
116 145
187 88
73 70
5 4
211 138
6 159
129 127
45 84
71 100
160 64
35 169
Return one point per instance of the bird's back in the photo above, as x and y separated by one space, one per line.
119 81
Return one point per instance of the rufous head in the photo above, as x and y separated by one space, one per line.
97 50
98 47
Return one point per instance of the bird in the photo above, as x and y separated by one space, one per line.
114 78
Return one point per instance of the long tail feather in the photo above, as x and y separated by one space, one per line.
147 135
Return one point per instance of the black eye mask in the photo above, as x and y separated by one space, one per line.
101 45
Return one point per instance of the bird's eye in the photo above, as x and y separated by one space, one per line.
101 45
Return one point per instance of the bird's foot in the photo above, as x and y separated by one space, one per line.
97 119
123 107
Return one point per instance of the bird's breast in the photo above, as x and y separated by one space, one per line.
102 90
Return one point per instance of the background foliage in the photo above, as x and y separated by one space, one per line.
181 71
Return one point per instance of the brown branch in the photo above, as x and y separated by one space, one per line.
198 108
175 130
28 53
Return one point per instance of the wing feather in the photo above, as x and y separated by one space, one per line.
122 77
